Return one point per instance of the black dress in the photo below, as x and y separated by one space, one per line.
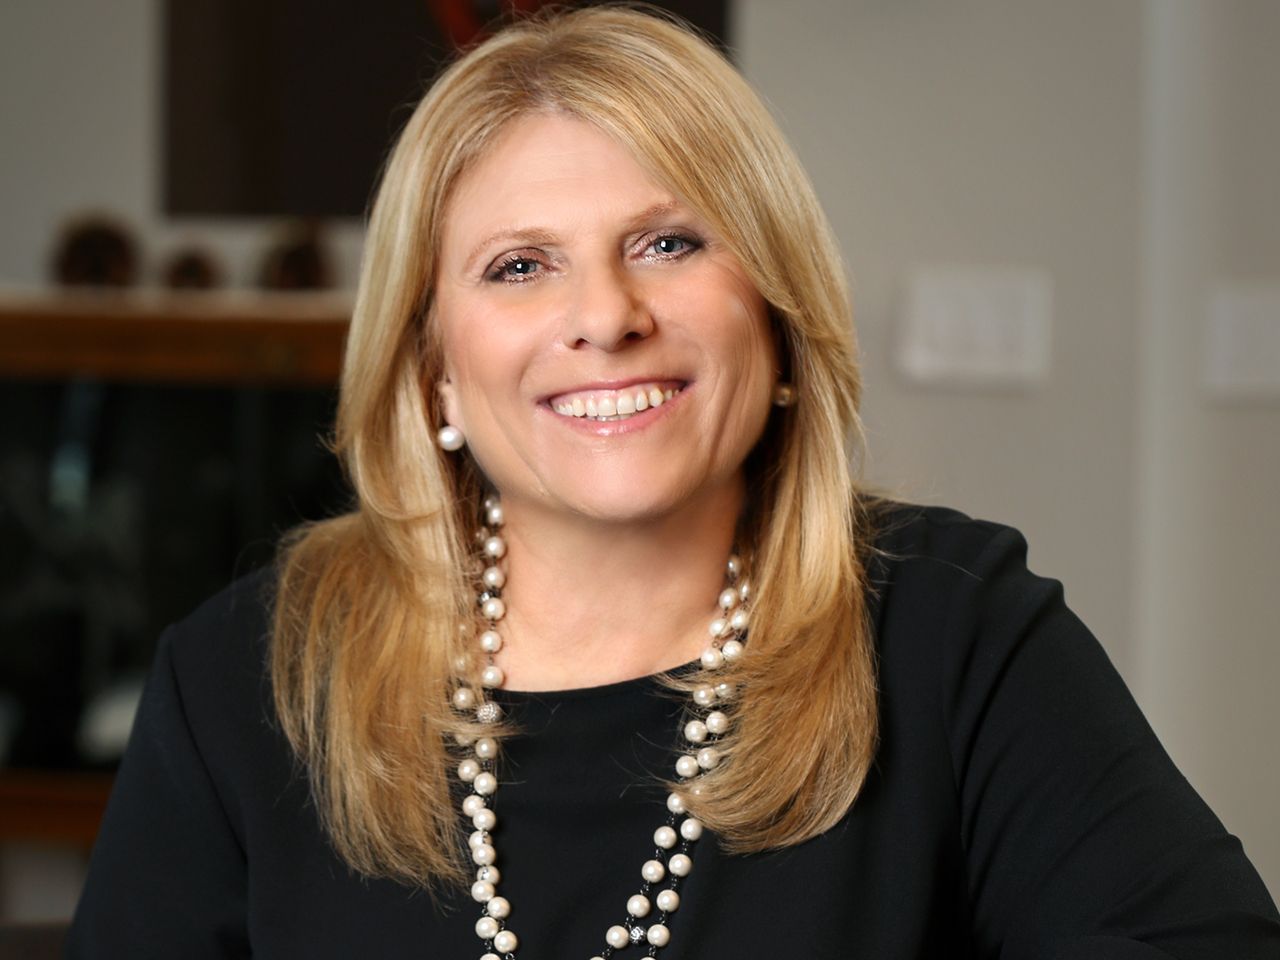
1020 807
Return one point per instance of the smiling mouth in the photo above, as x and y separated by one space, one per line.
606 406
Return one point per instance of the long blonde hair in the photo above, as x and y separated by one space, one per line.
374 610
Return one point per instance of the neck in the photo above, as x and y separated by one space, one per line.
591 603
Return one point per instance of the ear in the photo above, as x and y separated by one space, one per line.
781 345
449 406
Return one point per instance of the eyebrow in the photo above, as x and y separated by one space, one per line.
541 235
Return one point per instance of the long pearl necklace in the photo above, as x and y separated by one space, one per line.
673 840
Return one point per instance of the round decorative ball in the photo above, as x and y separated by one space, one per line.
658 935
617 937
450 438
506 942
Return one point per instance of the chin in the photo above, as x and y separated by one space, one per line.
622 496
626 509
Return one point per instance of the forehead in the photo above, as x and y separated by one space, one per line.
548 167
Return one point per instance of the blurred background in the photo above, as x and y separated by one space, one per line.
1061 223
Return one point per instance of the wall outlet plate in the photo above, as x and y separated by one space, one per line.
1242 342
975 326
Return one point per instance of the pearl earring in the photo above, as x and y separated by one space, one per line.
450 438
784 394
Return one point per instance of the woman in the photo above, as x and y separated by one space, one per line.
626 664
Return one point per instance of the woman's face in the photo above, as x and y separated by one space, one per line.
605 354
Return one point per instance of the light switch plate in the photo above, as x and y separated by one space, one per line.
977 326
1242 342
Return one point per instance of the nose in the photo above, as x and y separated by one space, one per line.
606 310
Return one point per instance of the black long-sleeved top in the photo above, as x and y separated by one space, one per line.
1020 807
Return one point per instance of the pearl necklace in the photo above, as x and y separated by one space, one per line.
673 840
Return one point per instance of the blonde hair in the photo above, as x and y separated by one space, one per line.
375 609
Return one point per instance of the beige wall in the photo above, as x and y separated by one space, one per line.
1208 660
1045 134
970 133
77 112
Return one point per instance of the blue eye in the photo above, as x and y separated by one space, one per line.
515 269
670 246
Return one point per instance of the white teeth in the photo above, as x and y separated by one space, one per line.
617 407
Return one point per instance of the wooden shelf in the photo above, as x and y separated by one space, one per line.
52 806
270 339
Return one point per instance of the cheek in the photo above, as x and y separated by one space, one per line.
473 353
488 354
758 369
747 325
747 361
752 338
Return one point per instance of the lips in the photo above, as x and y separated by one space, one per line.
608 405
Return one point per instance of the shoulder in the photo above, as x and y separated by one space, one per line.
951 599
907 533
942 552
1078 830
227 636
216 659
